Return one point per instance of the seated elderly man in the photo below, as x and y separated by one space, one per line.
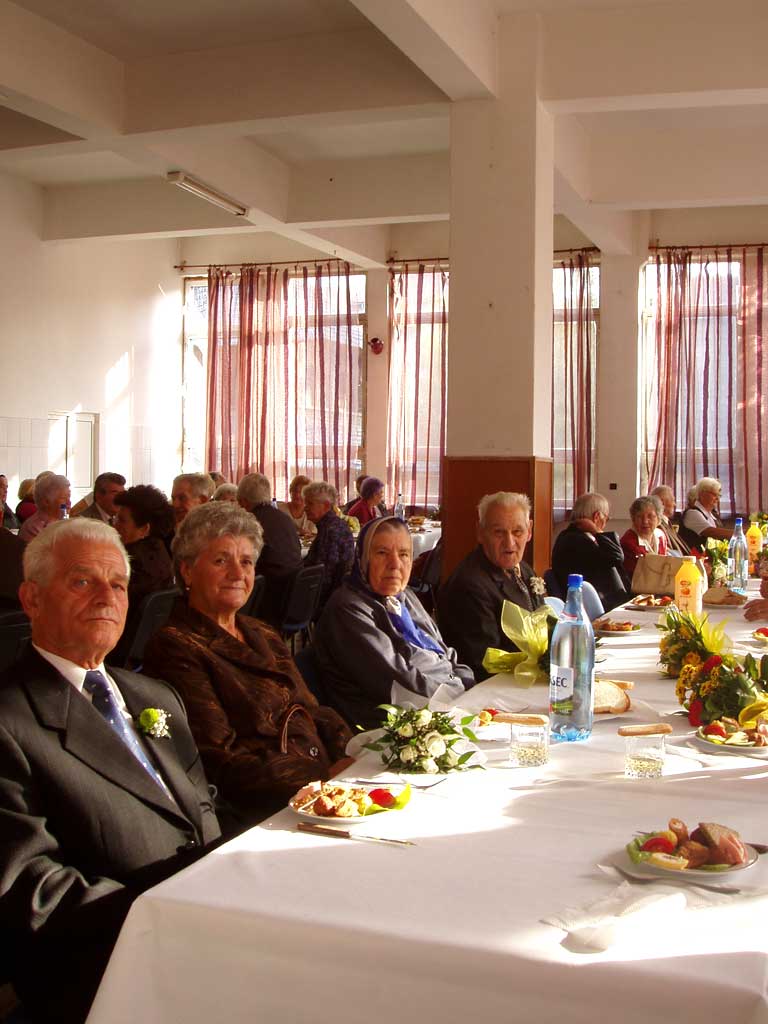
334 545
280 558
676 545
586 547
96 802
190 490
51 492
701 520
469 603
106 487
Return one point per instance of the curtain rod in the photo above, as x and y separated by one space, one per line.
271 263
583 248
418 259
708 248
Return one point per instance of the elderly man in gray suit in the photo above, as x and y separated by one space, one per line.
102 792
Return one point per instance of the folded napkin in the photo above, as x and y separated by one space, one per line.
595 927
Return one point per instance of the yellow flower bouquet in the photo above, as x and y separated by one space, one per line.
689 640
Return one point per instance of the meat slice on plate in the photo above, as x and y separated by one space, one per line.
725 844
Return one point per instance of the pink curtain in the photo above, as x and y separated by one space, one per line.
575 288
284 374
418 336
704 373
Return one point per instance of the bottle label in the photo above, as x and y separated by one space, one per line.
561 689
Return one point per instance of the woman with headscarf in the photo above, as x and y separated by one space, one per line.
374 632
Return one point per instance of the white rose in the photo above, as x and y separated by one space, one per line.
428 765
434 744
406 731
451 758
407 754
424 717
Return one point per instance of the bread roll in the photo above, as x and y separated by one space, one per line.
610 699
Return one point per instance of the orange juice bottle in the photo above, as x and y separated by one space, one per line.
754 546
688 586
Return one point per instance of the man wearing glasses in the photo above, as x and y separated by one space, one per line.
701 520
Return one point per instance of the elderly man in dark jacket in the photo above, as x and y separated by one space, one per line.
469 603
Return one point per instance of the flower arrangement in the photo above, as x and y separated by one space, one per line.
154 722
721 687
717 554
421 740
531 633
688 640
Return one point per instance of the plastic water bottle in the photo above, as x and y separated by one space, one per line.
399 510
738 560
63 511
572 669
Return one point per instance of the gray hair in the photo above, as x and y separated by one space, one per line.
46 486
507 499
586 505
707 483
206 523
200 484
646 501
224 492
254 489
39 554
321 491
662 491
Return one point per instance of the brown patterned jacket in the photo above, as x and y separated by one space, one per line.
260 731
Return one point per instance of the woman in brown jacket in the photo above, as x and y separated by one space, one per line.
261 733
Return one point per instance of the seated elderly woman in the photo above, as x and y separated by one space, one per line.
701 519
225 492
51 493
334 545
296 509
260 732
144 518
586 547
371 495
374 632
644 536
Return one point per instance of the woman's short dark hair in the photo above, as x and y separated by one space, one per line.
370 486
148 505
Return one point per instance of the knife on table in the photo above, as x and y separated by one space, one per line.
340 833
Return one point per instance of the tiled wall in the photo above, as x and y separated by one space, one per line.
23 449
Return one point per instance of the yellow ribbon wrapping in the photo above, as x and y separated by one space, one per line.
530 633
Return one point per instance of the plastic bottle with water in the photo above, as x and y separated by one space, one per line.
399 510
738 559
572 669
63 511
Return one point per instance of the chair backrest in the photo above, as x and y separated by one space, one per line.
306 663
15 631
303 598
155 609
593 606
555 603
252 605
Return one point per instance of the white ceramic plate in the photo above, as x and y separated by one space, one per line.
618 632
692 875
722 748
647 607
321 819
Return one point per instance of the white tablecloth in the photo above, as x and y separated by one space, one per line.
281 927
425 541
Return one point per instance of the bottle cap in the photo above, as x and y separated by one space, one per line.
738 522
689 558
575 579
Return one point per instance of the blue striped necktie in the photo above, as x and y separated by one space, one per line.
103 699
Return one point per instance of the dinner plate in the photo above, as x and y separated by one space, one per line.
760 638
648 607
310 815
723 748
618 632
692 875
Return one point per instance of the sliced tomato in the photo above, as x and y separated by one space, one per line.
382 797
763 631
715 729
657 844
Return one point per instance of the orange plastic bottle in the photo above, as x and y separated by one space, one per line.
754 546
688 589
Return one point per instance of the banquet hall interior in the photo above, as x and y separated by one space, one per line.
564 164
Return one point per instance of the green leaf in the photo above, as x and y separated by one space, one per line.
470 735
465 757
467 719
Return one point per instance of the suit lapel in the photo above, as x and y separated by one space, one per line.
137 697
85 733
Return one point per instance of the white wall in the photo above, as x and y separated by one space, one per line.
91 326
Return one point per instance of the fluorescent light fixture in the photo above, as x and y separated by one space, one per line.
197 188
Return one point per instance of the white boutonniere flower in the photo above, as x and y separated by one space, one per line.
154 722
538 586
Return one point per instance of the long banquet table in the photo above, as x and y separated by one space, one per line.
280 927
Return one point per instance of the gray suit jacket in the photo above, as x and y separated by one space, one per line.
83 827
91 512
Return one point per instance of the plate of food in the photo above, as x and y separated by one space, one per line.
761 635
331 802
611 627
727 736
650 602
707 852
